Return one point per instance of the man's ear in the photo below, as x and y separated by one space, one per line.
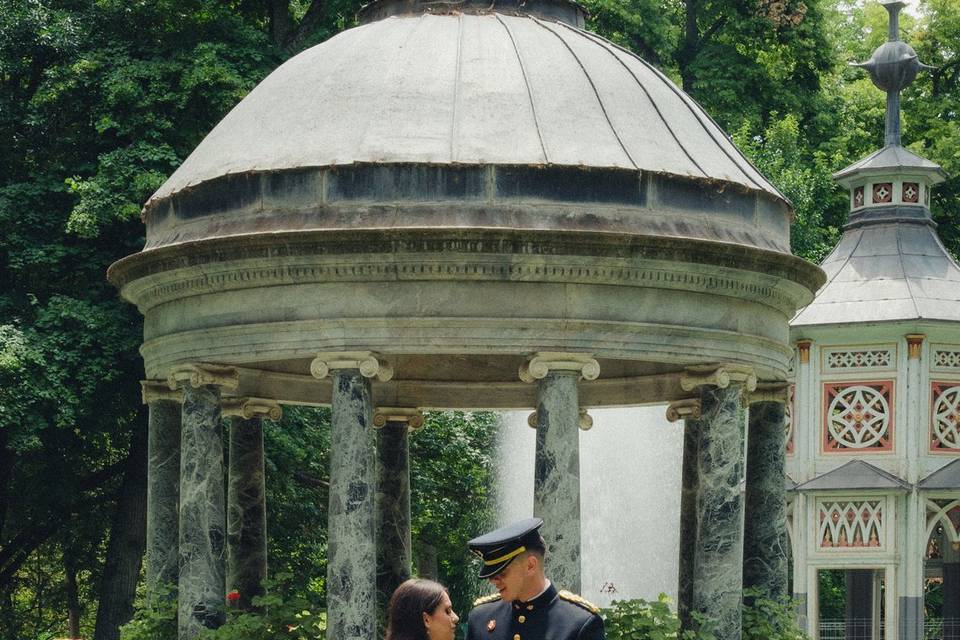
533 563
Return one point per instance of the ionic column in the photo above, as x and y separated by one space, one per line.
163 484
556 489
202 510
765 525
351 536
246 497
394 545
689 412
718 551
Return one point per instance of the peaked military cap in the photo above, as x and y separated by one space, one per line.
498 548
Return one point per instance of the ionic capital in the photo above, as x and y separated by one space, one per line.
369 364
769 392
383 415
584 420
803 350
199 375
542 363
248 408
722 377
688 409
154 390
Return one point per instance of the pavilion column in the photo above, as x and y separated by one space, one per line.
351 536
718 548
689 412
246 498
163 484
556 488
392 521
200 589
765 540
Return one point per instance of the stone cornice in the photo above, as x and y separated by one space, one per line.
156 390
248 408
413 417
368 363
198 375
686 409
542 363
721 376
770 277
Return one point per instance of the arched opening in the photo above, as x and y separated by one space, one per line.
941 592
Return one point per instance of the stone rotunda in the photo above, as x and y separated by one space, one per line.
874 440
466 205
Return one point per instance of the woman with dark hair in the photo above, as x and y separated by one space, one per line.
421 610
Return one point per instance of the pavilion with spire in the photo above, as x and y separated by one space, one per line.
873 450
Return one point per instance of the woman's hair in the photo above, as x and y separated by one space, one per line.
409 602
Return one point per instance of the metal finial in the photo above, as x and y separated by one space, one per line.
892 67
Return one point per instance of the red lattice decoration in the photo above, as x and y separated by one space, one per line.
945 417
911 192
788 418
882 192
850 524
858 416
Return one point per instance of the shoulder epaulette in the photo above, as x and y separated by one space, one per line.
493 597
580 602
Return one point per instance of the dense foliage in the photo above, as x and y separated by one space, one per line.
100 100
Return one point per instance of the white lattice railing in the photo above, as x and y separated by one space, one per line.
856 629
941 629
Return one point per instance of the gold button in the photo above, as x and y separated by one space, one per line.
529 607
522 619
516 636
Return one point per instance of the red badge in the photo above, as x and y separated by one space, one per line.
491 625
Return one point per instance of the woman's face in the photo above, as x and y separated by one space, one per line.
442 622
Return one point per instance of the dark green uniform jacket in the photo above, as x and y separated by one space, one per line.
552 615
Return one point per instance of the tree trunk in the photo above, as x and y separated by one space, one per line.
128 539
73 598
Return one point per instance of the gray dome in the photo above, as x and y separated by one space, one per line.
487 89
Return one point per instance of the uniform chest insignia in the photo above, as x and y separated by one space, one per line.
580 602
491 625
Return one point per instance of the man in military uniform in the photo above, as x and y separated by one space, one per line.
527 606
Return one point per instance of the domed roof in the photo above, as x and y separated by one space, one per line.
468 89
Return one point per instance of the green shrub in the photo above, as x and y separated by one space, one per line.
156 620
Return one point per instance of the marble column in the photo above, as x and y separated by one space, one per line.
246 498
351 537
556 487
765 524
163 485
394 545
202 513
718 551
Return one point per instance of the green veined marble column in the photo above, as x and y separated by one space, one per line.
556 489
163 494
351 541
246 511
765 525
394 546
718 555
202 513
688 519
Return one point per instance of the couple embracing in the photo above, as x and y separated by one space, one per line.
526 606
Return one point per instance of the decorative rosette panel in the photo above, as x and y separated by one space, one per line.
858 416
853 524
788 412
945 417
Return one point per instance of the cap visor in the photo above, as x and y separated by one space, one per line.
488 571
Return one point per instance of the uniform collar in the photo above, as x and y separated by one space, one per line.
546 597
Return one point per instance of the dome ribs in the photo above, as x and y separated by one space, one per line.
744 166
593 86
456 90
523 71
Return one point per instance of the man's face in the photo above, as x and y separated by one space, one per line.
512 581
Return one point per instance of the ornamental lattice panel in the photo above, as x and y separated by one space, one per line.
858 416
850 524
946 358
846 359
945 417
